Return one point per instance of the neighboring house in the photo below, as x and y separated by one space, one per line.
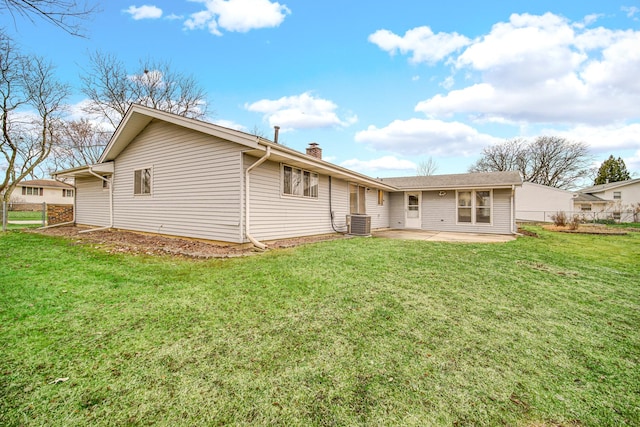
619 201
168 174
537 202
40 191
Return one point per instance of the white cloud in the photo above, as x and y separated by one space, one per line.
144 12
543 69
602 139
424 45
386 163
230 124
631 11
416 137
633 164
302 111
237 15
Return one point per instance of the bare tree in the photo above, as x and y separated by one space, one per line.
65 14
427 167
81 143
111 89
31 103
547 160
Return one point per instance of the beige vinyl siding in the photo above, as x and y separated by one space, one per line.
276 216
439 213
379 214
195 184
92 202
396 210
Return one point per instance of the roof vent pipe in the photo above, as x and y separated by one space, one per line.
276 130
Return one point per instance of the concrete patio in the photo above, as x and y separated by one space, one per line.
442 236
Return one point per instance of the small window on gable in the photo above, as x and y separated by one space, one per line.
142 181
617 195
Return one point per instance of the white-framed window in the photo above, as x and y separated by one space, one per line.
142 181
474 206
357 199
32 191
299 182
67 192
617 195
585 208
616 216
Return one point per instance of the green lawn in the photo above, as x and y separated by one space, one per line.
536 332
24 216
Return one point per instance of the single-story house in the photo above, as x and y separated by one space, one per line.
538 203
40 191
168 174
618 201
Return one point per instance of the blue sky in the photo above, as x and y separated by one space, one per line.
382 85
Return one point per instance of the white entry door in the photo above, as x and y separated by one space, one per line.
413 219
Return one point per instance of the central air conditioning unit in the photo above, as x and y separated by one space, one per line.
359 225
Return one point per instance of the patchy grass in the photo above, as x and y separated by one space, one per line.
536 332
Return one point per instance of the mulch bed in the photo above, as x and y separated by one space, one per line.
120 241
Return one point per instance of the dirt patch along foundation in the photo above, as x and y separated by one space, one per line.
121 241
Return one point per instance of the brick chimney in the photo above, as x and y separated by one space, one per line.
314 150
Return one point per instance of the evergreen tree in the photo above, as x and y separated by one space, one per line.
612 170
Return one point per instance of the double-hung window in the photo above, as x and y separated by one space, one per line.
142 181
67 192
474 207
299 182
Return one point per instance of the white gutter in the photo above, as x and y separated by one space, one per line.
110 203
247 188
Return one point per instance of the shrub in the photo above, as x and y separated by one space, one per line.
575 222
604 221
559 219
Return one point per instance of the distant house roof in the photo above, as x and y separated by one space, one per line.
584 197
609 186
452 181
45 183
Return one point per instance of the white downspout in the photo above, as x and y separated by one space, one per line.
110 202
247 202
513 202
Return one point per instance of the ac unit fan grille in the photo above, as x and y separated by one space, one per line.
360 225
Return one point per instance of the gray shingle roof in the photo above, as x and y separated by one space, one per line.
48 183
452 181
584 197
